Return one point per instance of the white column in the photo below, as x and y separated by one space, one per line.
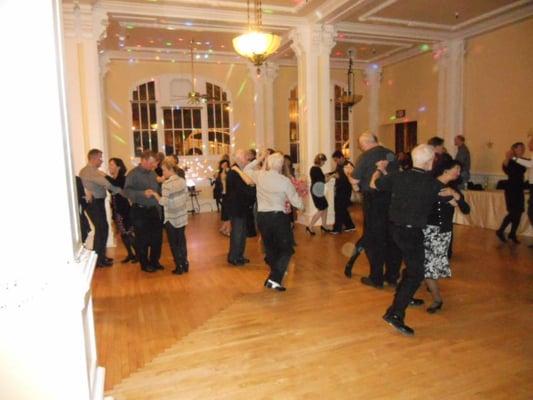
84 26
263 78
312 45
373 77
47 343
450 97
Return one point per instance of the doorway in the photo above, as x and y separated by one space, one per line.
406 136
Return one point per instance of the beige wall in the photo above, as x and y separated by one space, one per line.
409 85
498 93
123 77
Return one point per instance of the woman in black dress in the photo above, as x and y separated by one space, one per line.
318 194
220 183
514 192
121 208
438 232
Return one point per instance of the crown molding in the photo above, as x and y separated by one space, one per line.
370 16
332 10
495 23
399 57
181 56
395 32
184 13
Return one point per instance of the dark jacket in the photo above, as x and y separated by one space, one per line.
239 196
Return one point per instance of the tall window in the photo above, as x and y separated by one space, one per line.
342 123
294 134
183 130
218 128
144 118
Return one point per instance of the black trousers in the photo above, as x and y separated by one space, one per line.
237 240
411 243
148 234
178 244
377 239
96 212
342 216
513 218
276 233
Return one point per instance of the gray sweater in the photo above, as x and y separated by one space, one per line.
137 181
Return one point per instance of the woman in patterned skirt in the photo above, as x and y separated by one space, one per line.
438 232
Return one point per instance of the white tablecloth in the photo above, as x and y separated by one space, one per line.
488 210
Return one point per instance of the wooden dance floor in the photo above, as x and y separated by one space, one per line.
216 333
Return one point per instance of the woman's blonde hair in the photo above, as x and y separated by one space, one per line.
169 162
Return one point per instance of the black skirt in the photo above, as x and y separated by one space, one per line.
224 209
320 202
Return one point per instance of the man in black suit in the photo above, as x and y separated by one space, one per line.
239 197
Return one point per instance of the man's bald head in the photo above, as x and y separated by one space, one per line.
241 158
367 141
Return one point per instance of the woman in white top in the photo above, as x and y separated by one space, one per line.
174 201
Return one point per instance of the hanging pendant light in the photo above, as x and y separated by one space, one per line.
194 97
255 44
350 99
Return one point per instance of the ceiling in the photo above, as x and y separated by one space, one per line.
377 30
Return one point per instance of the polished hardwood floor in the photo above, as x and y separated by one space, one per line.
216 333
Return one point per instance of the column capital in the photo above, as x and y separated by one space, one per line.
318 39
85 21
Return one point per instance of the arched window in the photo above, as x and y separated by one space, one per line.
218 129
183 130
342 123
144 118
294 134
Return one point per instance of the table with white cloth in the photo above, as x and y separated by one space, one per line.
487 210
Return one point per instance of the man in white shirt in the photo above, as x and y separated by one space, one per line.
528 164
273 191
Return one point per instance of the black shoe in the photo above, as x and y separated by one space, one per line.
274 286
433 308
514 239
185 267
334 232
326 230
309 231
416 302
108 259
134 260
177 271
391 284
104 263
148 269
244 260
365 280
501 236
157 266
237 263
350 229
127 259
348 271
397 323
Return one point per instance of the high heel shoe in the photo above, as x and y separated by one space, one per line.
326 230
309 231
433 308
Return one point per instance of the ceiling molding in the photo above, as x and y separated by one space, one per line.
370 16
398 57
495 23
396 32
183 13
332 10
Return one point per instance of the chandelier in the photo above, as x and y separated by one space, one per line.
350 98
256 45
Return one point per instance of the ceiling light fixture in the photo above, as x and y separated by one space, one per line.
255 44
350 98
